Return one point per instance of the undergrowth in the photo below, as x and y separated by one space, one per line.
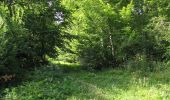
56 82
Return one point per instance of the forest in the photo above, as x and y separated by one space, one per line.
84 49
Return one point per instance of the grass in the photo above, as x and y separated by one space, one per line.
56 82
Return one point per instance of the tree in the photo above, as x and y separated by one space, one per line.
31 30
113 32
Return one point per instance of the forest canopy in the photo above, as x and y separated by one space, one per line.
95 33
120 31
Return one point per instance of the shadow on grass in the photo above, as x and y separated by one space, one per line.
69 81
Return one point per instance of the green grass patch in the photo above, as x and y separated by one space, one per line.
54 83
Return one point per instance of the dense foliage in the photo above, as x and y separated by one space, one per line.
29 31
107 33
114 32
54 49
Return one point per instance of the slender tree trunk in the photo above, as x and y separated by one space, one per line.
111 43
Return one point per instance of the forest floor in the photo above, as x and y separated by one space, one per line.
61 82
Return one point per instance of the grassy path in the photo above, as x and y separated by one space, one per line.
55 83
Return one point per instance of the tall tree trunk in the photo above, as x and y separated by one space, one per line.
111 43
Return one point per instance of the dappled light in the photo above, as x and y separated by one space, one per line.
84 50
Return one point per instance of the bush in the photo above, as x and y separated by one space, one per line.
143 64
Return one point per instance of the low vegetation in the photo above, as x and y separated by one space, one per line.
56 82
